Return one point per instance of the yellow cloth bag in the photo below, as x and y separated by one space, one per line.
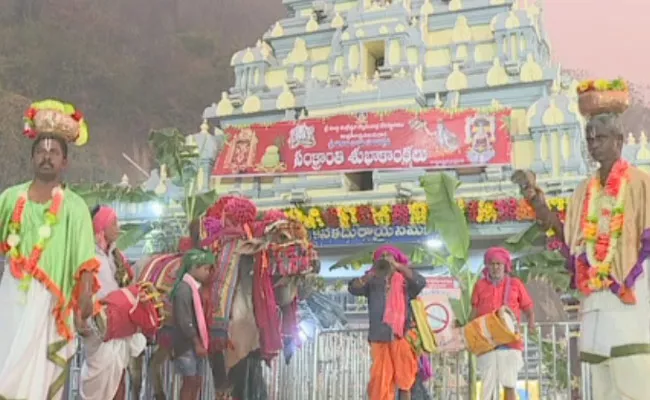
427 337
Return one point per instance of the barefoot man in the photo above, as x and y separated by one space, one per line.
47 237
607 242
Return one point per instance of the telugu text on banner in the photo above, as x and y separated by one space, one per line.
367 141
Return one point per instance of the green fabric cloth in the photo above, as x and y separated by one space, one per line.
71 244
192 258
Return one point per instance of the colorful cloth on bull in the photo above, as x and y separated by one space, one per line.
223 283
38 294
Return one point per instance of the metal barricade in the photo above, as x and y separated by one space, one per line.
335 365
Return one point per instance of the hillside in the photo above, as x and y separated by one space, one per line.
130 66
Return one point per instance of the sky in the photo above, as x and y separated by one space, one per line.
604 38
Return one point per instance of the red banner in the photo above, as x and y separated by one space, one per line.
367 141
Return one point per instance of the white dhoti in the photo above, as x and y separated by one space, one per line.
615 340
104 364
33 357
499 368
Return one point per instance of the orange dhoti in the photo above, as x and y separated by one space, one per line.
394 366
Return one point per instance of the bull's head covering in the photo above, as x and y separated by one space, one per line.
270 219
53 117
233 211
397 254
500 255
191 259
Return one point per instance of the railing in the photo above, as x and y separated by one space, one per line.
335 365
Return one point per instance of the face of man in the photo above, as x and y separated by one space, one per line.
112 232
603 146
48 160
202 273
497 270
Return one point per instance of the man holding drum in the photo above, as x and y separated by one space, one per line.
389 285
497 289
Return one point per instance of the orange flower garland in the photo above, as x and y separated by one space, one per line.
19 264
602 226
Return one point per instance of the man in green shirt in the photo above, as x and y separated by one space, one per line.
46 236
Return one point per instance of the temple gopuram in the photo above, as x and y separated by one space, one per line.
339 108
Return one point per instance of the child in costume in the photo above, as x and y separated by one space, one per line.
191 336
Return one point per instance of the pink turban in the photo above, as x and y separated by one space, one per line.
399 256
500 255
103 218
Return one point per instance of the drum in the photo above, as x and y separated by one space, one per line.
133 309
486 333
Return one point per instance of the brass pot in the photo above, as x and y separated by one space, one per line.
595 102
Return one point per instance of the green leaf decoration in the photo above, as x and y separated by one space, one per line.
197 205
548 266
525 239
132 234
418 254
459 311
105 193
170 149
445 217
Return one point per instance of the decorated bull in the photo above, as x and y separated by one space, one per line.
252 296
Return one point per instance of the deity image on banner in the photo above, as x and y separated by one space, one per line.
442 139
242 149
302 135
480 136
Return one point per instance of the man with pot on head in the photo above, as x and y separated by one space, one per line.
103 373
496 289
46 236
389 285
606 238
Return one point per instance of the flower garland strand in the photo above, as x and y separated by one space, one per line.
19 264
602 226
415 213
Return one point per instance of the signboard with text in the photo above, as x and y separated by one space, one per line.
435 297
367 141
363 235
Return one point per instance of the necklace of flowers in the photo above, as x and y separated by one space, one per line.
19 264
602 222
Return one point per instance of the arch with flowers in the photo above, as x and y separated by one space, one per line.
416 213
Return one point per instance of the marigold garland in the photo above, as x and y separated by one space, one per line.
416 213
602 227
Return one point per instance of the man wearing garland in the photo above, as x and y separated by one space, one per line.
47 238
607 242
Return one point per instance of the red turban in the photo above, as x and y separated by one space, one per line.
500 255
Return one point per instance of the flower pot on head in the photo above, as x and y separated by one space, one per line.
600 102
